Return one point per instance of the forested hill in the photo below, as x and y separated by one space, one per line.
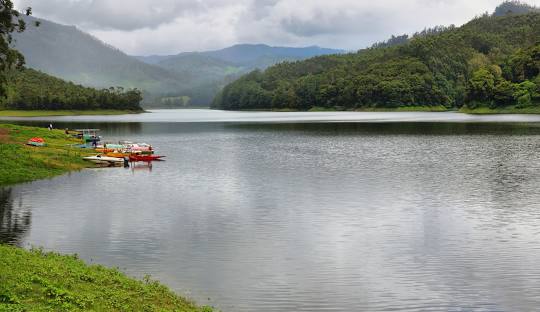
184 79
492 61
32 90
68 53
206 72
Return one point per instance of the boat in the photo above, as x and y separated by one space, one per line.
145 157
106 160
36 142
118 153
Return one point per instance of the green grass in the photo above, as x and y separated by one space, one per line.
22 163
505 110
41 281
39 113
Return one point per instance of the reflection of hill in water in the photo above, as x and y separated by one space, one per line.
14 221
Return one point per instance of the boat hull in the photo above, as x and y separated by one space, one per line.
145 158
104 160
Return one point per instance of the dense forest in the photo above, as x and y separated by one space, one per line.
491 61
29 89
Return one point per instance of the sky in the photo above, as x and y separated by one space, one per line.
145 27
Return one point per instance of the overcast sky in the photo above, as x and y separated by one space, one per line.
172 26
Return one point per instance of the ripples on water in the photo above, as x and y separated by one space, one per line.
308 217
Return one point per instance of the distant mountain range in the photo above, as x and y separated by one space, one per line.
70 54
173 80
209 71
245 55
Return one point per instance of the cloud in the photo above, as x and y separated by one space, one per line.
172 26
116 15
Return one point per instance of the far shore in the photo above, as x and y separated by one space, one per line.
437 108
44 113
440 108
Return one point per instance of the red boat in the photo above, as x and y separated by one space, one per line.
144 157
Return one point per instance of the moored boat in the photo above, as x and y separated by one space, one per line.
99 159
36 142
117 154
145 157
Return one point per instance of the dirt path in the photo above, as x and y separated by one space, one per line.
4 135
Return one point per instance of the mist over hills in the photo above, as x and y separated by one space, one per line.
184 79
68 53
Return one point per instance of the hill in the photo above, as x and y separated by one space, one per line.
262 56
32 90
68 53
492 61
514 7
187 78
205 73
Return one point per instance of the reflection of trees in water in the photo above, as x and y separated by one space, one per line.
14 223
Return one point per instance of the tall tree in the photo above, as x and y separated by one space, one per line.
10 21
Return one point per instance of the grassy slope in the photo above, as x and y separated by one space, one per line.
22 163
38 113
37 281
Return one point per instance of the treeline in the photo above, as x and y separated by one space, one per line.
515 82
514 7
489 61
32 90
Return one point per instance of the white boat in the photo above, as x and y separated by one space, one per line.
98 159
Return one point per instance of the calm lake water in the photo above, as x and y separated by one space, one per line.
306 211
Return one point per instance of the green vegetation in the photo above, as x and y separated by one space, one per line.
27 89
22 163
492 61
501 110
40 113
71 54
382 109
204 74
38 281
514 7
32 90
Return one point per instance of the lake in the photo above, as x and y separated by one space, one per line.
262 211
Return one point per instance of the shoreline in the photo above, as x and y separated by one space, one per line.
37 280
21 163
51 113
435 109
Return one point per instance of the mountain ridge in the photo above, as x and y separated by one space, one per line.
479 63
69 53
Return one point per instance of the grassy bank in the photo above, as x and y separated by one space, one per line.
38 281
41 113
505 110
22 163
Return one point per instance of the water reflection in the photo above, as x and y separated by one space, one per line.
15 220
141 166
313 217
